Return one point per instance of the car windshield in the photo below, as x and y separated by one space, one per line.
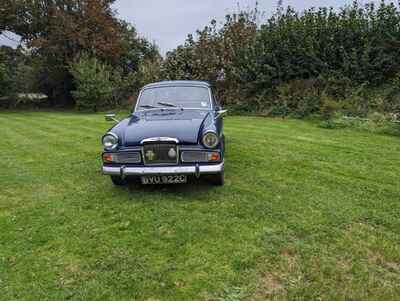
170 97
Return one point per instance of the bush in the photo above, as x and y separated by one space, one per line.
396 80
382 123
300 98
329 111
5 80
338 87
94 84
393 97
375 123
353 49
359 102
19 85
377 119
329 108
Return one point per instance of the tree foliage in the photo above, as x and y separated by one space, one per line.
58 31
213 54
18 75
94 83
64 28
287 63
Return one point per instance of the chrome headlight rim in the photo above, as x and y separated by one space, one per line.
115 145
213 145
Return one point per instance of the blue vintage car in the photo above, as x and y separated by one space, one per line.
174 133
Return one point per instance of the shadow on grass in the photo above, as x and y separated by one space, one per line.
201 185
193 190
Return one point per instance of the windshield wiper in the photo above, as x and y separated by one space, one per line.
167 104
148 107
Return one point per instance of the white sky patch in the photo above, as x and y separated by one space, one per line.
9 39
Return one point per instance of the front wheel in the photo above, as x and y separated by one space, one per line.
217 179
118 181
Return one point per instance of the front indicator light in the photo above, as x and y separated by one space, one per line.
214 157
108 158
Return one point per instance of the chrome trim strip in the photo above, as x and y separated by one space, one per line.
171 170
137 101
159 139
176 109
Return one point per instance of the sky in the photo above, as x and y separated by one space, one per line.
168 22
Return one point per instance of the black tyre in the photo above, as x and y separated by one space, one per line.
118 181
217 179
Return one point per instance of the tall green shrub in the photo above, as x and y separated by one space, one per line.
94 83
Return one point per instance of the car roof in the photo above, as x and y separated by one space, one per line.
178 83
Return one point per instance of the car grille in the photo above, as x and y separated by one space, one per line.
161 153
128 157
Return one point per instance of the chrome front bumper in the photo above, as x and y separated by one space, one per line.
196 170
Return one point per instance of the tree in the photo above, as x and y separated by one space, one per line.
5 80
57 31
8 58
18 77
212 55
64 27
285 64
94 83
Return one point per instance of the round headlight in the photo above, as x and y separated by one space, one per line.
110 141
210 140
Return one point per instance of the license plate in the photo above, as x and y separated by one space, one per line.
158 180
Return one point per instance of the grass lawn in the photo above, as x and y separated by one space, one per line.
306 213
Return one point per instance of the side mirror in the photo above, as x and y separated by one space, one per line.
111 117
221 113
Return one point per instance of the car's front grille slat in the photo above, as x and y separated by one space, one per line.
160 153
128 157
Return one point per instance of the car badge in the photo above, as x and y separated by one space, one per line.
150 155
172 153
